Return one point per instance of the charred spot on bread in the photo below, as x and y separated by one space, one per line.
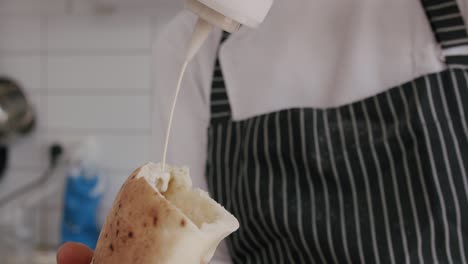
111 247
182 222
130 234
117 232
155 215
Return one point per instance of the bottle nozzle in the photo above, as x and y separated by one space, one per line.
212 16
200 34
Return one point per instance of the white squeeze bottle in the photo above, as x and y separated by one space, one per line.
228 15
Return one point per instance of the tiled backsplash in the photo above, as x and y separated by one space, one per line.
87 75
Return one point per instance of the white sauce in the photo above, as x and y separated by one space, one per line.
201 32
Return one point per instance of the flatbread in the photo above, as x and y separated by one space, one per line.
158 218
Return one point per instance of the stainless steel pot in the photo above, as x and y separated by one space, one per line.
16 117
16 114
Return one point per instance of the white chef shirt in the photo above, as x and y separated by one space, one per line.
314 54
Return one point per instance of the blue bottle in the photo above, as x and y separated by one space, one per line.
82 198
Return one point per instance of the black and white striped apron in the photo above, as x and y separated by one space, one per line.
383 180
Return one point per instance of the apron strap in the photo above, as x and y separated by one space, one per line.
449 28
220 107
447 22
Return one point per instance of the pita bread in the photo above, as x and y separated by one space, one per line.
158 218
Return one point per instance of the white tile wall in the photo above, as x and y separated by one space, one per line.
20 33
31 7
16 178
28 153
87 75
98 113
26 68
123 33
99 72
117 152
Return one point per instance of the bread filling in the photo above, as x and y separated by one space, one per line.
175 185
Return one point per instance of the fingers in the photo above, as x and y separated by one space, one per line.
74 253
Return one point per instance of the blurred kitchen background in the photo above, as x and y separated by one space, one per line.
86 68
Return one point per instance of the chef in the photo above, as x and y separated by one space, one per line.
336 132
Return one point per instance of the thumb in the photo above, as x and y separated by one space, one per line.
74 253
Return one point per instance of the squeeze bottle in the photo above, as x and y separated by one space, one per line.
228 15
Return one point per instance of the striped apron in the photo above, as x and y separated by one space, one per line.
383 180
